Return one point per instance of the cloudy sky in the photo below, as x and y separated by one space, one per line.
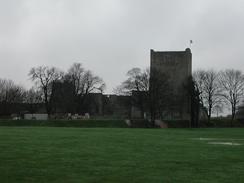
110 37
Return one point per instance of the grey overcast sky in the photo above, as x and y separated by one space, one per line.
110 37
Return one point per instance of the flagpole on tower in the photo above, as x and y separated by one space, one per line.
191 42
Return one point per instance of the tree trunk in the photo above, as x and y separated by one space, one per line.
232 116
46 102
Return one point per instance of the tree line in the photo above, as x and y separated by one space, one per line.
50 83
220 90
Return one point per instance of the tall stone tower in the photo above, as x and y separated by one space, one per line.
177 65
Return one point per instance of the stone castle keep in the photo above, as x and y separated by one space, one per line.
177 66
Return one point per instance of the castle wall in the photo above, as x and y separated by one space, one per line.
177 65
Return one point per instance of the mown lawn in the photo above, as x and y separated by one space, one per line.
49 154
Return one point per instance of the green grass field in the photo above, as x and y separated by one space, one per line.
50 154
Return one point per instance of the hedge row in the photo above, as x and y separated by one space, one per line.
67 123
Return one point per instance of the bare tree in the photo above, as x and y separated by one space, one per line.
232 83
10 94
137 85
44 77
85 82
92 83
208 84
75 75
137 80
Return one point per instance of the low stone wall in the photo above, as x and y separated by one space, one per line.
36 116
